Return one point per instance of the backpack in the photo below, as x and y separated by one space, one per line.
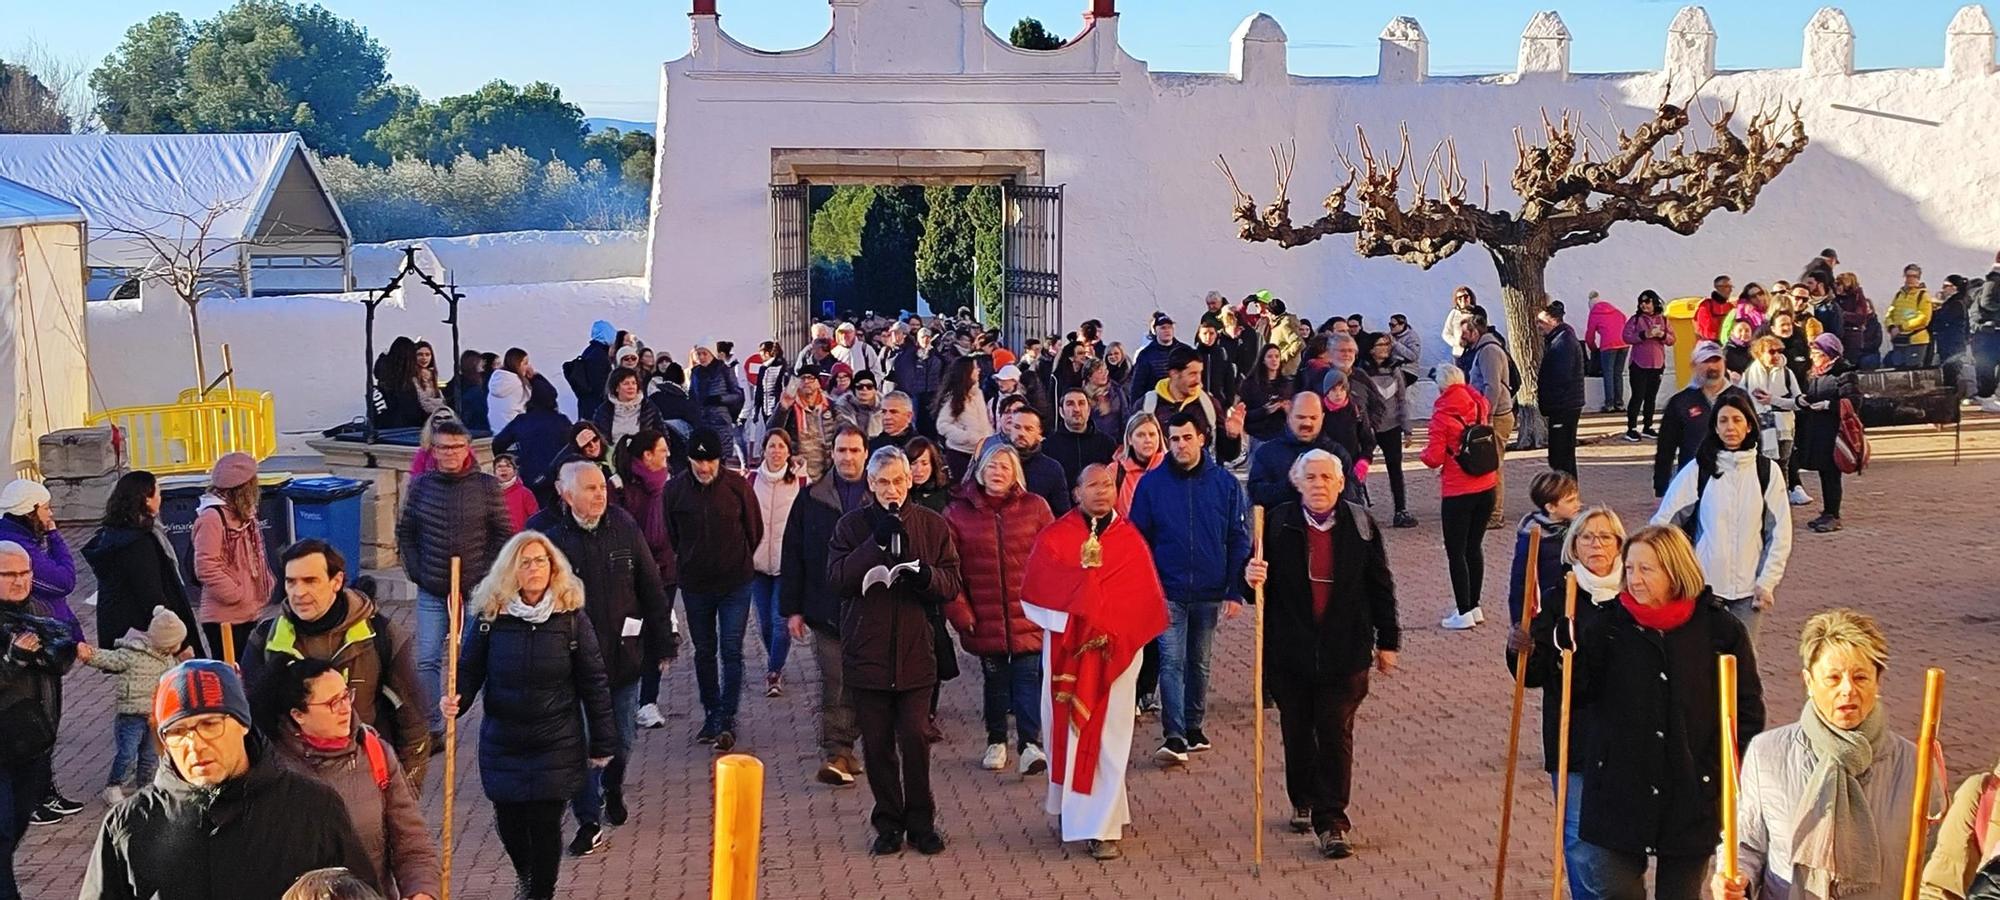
1478 448
378 757
573 374
1692 526
1850 442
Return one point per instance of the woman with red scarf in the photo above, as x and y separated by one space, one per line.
1646 693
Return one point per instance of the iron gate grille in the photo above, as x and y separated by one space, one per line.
791 266
1032 261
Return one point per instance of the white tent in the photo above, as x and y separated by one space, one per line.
272 226
41 319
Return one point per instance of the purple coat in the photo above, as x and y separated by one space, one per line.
54 568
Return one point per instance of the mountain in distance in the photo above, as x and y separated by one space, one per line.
599 123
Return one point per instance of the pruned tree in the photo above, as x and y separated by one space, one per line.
182 256
1571 192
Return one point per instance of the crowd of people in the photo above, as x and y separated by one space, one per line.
898 493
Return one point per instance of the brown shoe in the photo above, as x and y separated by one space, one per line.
852 764
1104 850
834 773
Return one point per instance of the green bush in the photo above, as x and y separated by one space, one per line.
505 191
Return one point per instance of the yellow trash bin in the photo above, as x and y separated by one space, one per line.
1680 317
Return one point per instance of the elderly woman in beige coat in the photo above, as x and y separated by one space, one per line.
1824 803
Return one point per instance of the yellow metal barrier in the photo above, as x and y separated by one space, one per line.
739 822
263 428
176 438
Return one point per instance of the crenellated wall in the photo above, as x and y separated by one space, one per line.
1894 174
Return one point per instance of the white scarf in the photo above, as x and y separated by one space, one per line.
1599 588
534 614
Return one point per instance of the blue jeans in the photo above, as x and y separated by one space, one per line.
1184 665
770 625
22 788
433 623
1013 683
132 743
1605 874
1572 844
712 619
1611 367
588 804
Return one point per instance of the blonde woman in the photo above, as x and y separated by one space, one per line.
537 658
1825 801
1645 687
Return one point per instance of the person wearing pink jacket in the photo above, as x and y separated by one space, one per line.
1604 334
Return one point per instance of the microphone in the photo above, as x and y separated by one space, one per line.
895 541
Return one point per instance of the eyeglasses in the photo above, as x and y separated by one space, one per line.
533 562
342 700
1596 537
451 448
208 729
24 573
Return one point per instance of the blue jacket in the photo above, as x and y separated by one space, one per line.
1271 469
1046 479
535 437
1561 377
1195 522
1149 365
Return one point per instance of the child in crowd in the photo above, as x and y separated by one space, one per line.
521 502
1557 500
138 659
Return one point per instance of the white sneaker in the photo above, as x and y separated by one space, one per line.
1800 497
113 795
649 716
1460 622
1033 761
995 759
1990 404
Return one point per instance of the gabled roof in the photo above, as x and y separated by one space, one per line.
156 183
23 205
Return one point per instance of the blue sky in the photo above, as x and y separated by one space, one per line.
605 54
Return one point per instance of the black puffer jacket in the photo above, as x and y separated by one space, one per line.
886 639
1560 379
176 841
805 589
1362 615
620 582
542 683
1652 781
449 514
135 573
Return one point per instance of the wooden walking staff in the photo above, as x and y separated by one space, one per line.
1530 598
454 629
1257 703
1913 861
1562 738
1725 681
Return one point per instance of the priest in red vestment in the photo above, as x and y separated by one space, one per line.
1092 588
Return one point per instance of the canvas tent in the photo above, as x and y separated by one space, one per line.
274 228
41 319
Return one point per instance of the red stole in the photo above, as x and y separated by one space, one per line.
1666 617
1114 610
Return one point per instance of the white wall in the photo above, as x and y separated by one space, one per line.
308 349
512 257
1890 178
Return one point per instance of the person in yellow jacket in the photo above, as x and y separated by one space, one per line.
1909 321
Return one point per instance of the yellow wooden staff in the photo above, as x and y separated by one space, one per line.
1562 738
1257 702
1725 671
455 617
1530 597
1913 861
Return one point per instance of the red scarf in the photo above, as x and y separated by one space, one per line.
1667 617
1114 610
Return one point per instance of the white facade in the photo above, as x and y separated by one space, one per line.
1894 173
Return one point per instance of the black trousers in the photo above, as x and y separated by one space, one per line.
1829 490
897 757
1562 439
532 835
1317 721
1391 442
1645 388
22 788
1149 669
1463 519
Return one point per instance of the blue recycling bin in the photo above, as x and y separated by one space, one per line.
329 508
180 501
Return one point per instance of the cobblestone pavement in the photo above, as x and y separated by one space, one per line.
1916 553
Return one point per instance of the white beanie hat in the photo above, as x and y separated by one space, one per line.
21 496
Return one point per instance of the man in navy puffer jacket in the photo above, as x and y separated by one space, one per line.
1192 513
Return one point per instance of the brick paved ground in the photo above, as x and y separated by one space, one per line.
1920 537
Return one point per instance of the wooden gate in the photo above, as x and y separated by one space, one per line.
1032 260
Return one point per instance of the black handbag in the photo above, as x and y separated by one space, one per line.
25 731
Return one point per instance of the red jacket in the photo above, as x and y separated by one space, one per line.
521 504
1456 408
994 537
1709 315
